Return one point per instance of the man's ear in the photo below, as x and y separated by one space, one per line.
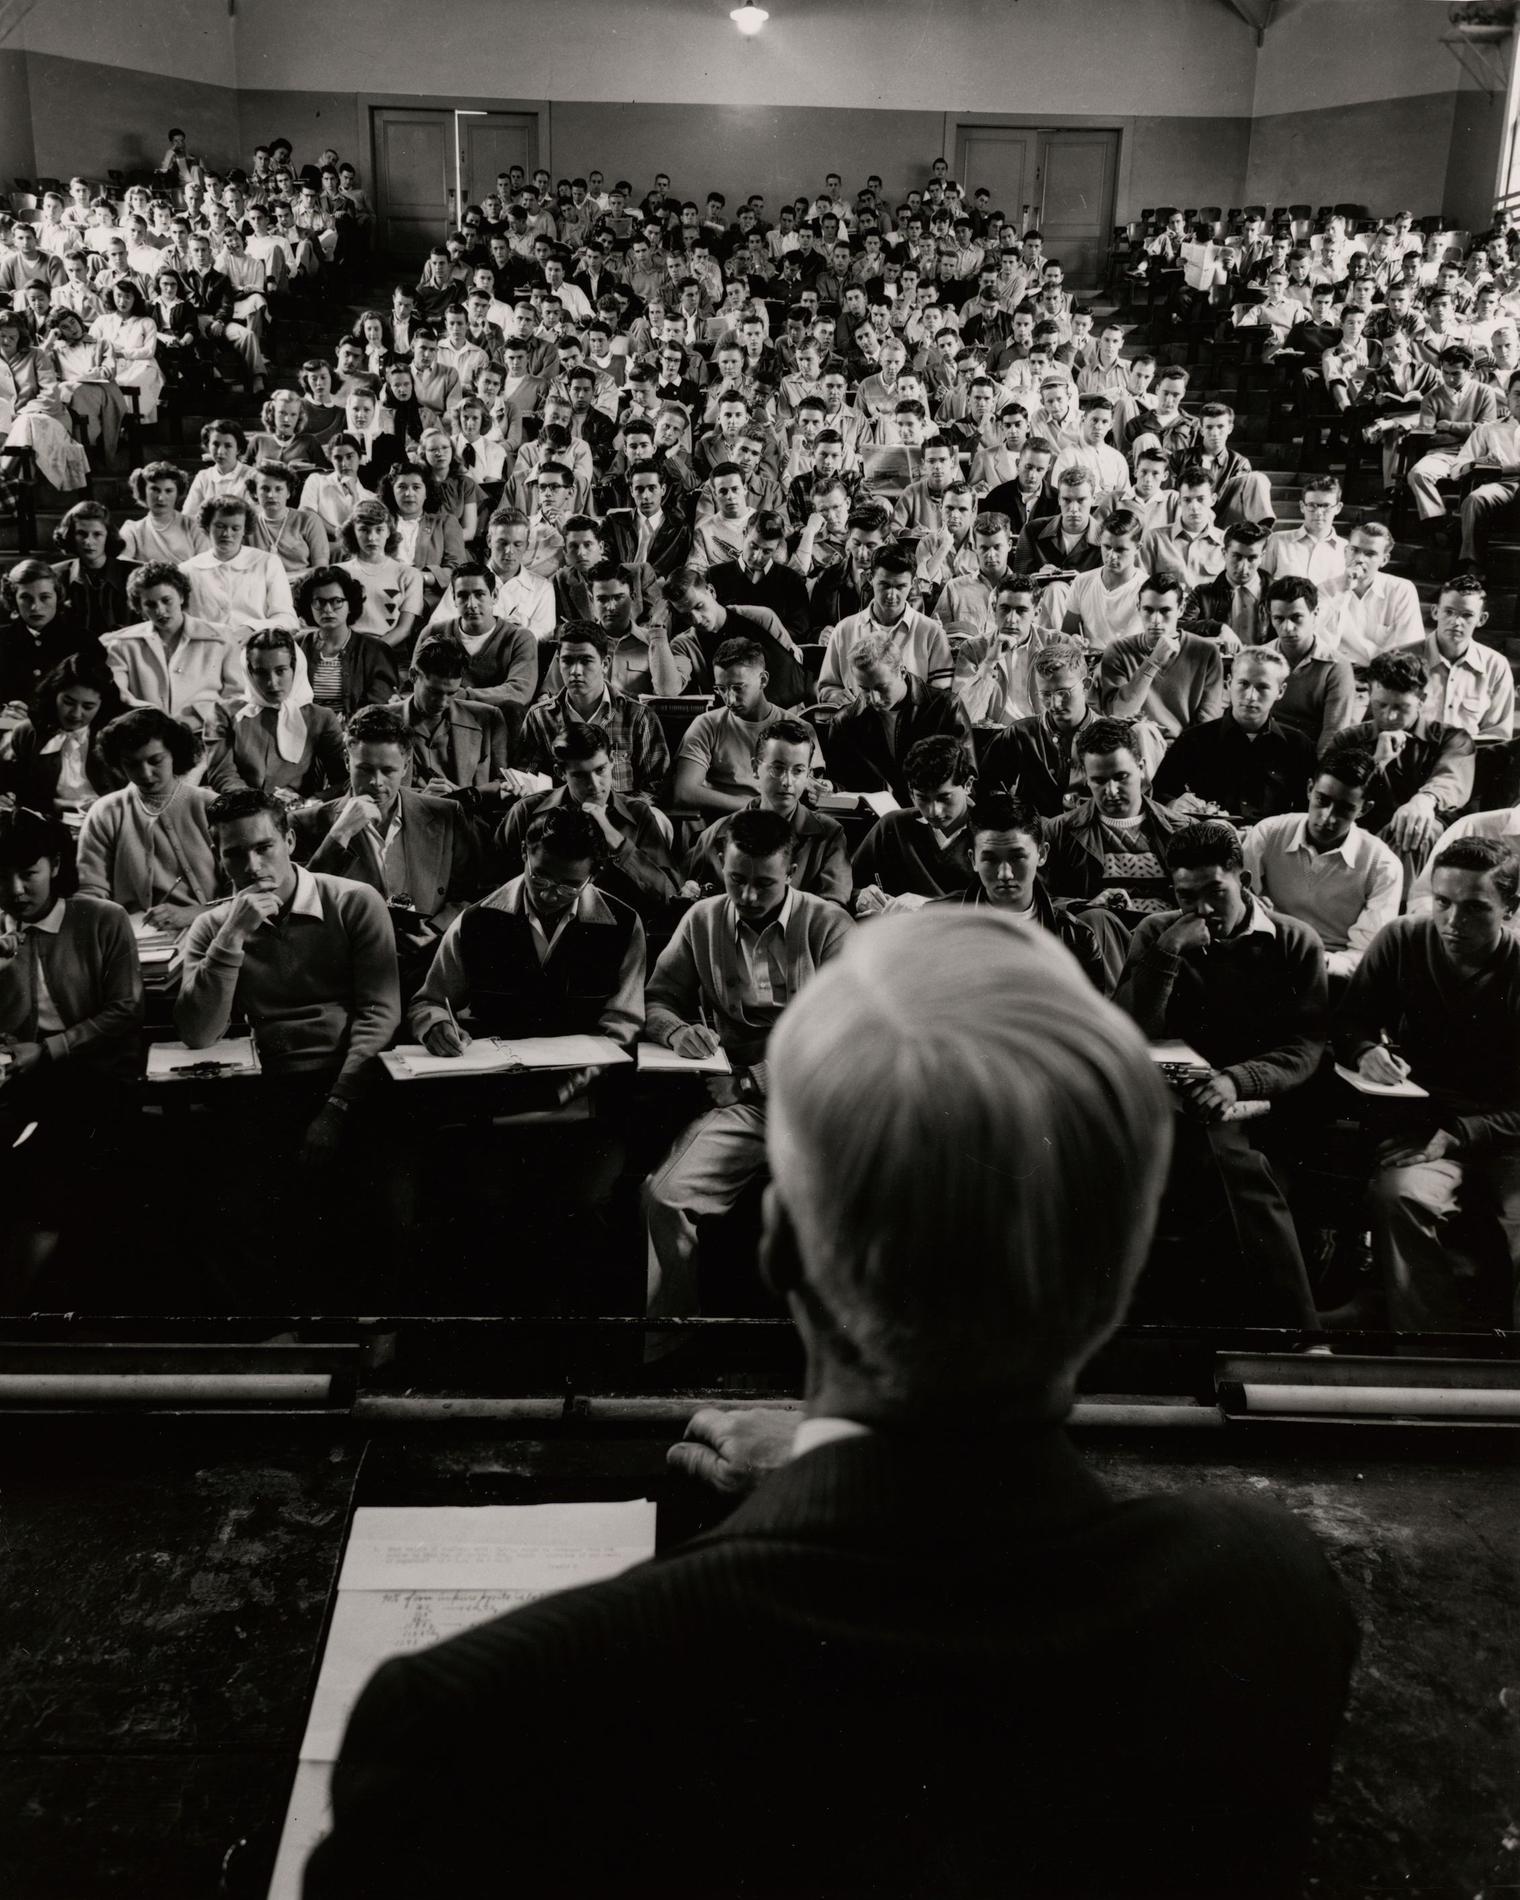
780 1257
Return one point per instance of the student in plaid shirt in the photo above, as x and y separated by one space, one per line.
640 756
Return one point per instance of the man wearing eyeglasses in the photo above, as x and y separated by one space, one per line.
547 954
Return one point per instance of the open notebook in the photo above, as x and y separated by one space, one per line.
494 1055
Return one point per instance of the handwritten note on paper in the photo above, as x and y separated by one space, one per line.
413 1577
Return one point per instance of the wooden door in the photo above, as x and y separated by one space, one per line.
1002 159
1077 171
414 173
493 142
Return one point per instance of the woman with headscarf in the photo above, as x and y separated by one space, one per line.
279 741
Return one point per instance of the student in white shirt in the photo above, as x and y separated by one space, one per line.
1321 867
1313 549
1104 603
1368 612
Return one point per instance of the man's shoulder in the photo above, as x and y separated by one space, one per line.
822 916
347 896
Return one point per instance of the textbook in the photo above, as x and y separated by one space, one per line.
881 803
656 1059
1405 1091
173 1062
494 1055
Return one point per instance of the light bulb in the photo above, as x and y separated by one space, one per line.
749 20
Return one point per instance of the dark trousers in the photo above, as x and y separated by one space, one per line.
1230 1192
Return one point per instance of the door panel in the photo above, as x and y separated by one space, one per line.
492 144
1077 172
414 166
1001 158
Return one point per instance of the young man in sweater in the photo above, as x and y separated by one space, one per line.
926 852
1247 990
1444 990
785 754
307 959
722 981
1161 673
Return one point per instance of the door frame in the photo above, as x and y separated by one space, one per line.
958 122
368 102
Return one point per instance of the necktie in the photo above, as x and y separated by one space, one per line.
467 455
1243 616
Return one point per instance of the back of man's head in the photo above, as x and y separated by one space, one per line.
968 1146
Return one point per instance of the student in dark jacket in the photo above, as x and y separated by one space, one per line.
37 634
1111 848
92 580
1244 764
930 1599
867 742
761 577
1247 989
1008 848
1039 757
56 763
924 852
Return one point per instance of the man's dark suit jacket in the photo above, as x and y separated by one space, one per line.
1207 609
1040 546
925 1666
668 551
855 747
438 844
782 589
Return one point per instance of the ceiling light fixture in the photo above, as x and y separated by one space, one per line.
749 20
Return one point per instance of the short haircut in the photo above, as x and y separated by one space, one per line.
943 759
939 1058
990 522
583 633
761 834
787 731
1465 583
1399 673
1350 762
247 801
1104 736
567 833
1490 856
442 656
875 649
1289 587
1203 845
471 571
1245 534
1165 580
131 731
1060 656
276 472
891 558
155 574
227 505
1195 475
1002 811
378 725
581 739
1123 522
1323 485
1269 657
739 652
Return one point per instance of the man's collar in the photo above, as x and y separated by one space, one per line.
1434 657
307 901
1298 840
1258 920
782 918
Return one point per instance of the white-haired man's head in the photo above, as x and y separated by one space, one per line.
968 1145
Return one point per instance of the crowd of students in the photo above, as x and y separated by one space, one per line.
377 709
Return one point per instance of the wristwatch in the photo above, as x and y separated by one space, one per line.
746 1088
